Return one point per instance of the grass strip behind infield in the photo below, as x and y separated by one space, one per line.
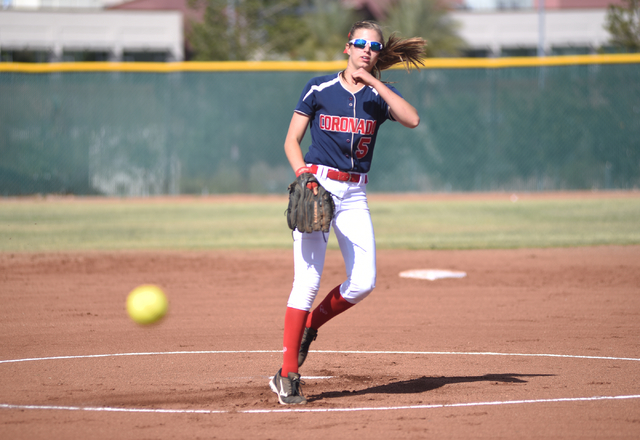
61 224
505 224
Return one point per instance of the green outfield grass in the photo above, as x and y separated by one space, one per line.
36 225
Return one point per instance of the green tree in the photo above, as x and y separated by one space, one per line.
243 29
327 24
623 23
427 19
307 29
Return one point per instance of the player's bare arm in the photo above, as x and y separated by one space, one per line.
292 149
401 110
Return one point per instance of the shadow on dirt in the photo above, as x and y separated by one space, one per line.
424 384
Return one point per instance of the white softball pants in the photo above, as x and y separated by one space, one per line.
354 231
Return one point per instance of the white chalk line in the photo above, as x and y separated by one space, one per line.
312 410
451 353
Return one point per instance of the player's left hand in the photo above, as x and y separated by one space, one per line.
312 185
311 207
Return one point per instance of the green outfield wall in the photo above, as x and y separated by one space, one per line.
519 124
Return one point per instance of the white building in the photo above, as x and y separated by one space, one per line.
91 35
521 32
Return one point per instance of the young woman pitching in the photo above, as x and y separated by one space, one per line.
344 112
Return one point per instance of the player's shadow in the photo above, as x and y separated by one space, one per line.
424 384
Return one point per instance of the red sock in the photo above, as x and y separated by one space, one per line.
294 320
330 307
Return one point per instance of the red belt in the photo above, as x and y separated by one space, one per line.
341 176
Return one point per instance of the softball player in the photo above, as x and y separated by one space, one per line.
344 112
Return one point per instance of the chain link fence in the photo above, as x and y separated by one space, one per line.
130 133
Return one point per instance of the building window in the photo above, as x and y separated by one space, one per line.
25 56
476 53
82 56
519 52
570 50
159 57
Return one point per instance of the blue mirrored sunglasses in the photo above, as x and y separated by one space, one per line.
361 43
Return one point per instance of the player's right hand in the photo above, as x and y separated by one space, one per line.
362 76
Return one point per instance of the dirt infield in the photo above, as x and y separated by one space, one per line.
532 343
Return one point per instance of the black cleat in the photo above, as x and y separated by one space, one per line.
288 389
308 337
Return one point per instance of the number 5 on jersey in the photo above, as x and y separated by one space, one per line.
363 147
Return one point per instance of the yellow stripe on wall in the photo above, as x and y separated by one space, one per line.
189 66
312 66
565 60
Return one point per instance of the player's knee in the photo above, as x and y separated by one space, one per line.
302 297
357 290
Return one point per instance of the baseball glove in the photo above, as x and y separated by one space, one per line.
311 206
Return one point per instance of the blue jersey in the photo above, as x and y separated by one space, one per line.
344 125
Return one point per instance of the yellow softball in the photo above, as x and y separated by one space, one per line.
147 304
